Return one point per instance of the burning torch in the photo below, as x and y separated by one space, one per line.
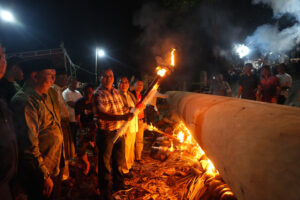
161 71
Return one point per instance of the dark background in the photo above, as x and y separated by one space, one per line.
134 33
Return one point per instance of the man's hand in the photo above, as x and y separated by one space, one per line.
158 113
92 143
140 106
48 187
128 116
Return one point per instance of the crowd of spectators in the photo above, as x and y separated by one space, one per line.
47 125
265 87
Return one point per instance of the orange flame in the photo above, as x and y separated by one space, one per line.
173 57
161 71
211 168
184 135
180 136
172 147
150 127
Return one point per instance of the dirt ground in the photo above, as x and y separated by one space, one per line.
154 179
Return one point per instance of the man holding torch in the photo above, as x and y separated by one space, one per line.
110 112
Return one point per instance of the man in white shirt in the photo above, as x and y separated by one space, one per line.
129 101
71 95
285 81
152 108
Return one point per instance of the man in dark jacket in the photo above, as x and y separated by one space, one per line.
8 85
8 143
248 84
38 130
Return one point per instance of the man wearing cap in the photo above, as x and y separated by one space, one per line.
8 85
38 131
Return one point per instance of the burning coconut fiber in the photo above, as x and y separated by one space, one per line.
175 168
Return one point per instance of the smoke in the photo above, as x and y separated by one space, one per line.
203 36
281 7
269 37
159 37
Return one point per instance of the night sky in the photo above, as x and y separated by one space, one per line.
115 26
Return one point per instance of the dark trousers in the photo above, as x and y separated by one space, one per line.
151 114
281 99
33 188
74 130
111 158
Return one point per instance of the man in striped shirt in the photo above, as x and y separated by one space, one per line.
111 112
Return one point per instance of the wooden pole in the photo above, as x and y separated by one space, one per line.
254 145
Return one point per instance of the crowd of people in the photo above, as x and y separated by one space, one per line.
269 88
47 124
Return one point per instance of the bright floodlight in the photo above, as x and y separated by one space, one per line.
7 16
101 53
242 50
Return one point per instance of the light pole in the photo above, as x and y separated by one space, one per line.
100 53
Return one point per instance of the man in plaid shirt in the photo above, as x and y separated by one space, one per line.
111 112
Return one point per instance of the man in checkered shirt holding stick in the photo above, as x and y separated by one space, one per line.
110 112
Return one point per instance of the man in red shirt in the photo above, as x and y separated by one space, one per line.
269 86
